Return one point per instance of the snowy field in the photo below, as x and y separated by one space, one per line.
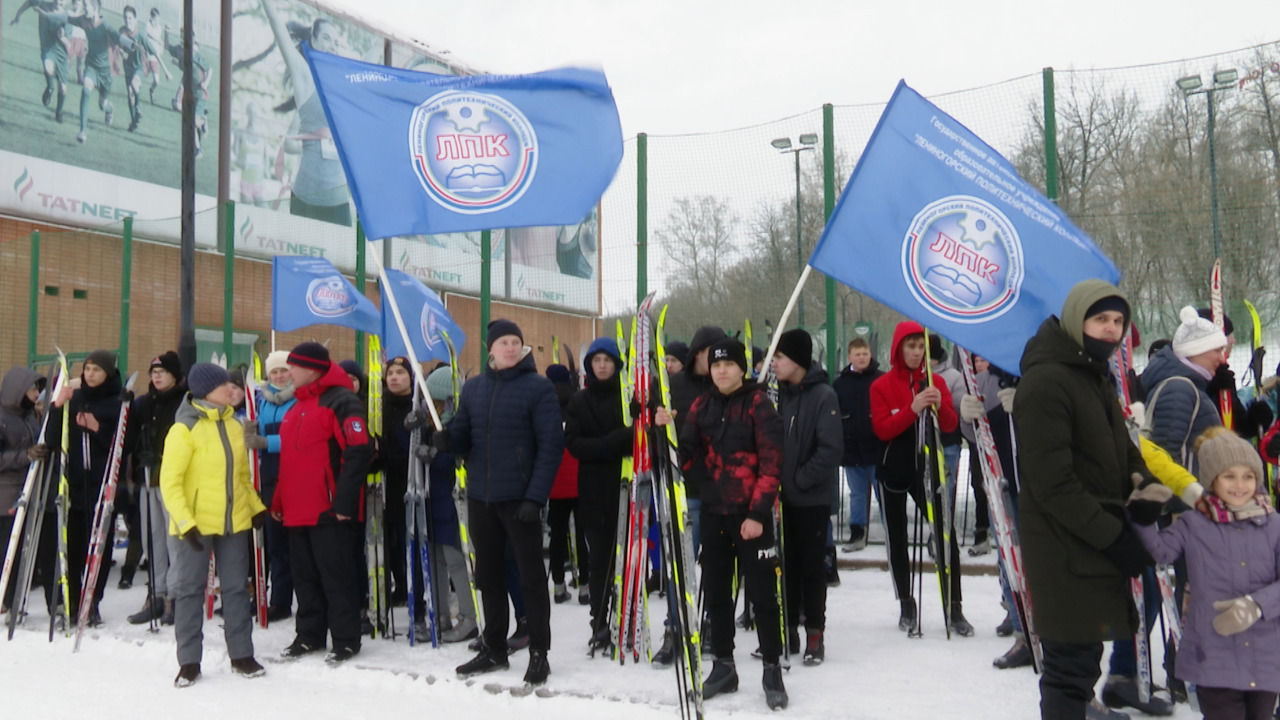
872 670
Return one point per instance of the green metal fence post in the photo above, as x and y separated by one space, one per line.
360 243
828 206
126 292
228 278
642 217
1050 138
33 300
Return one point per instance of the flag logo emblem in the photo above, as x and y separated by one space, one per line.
962 259
472 152
327 297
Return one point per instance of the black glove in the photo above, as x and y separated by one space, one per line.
259 520
529 512
1260 414
1223 379
126 396
1128 554
1146 503
193 538
415 419
441 441
38 451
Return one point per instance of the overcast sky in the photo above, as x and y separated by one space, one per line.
679 66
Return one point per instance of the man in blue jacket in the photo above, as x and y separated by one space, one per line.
508 430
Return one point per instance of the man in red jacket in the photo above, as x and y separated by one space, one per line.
324 457
899 399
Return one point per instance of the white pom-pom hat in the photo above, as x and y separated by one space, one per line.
1196 335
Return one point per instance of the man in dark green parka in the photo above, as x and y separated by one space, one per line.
1078 467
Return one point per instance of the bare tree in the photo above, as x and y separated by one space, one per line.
697 237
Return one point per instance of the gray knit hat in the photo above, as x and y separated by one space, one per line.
1219 449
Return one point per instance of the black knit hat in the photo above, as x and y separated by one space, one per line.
204 378
501 328
559 374
731 350
678 350
310 355
104 359
169 362
797 345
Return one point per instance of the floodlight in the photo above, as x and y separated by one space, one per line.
809 139
1189 83
782 143
1225 77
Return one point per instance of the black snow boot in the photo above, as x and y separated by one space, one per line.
815 649
723 679
831 567
483 662
959 625
1121 691
667 652
775 693
538 669
907 619
187 675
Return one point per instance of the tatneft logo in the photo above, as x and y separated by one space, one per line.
24 184
539 294
250 237
427 274
962 259
473 152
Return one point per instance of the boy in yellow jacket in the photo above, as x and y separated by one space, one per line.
205 484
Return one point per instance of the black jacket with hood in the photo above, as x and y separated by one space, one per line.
812 440
595 434
853 389
19 429
687 387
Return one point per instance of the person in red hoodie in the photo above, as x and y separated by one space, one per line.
899 399
324 458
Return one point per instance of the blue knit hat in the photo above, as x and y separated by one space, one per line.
204 378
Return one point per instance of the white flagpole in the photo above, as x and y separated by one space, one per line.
782 322
404 333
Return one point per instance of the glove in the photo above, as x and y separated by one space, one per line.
1127 553
252 439
1006 398
126 396
415 419
193 538
529 512
1260 415
1223 379
1146 504
441 441
425 452
1235 615
971 408
259 520
38 451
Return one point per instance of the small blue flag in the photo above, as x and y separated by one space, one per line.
937 225
424 317
427 153
310 291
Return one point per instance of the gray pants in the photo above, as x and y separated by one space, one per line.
450 557
191 570
155 525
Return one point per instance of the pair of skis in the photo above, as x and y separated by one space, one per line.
936 484
632 600
375 502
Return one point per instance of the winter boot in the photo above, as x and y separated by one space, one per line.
667 652
745 621
167 617
814 648
907 618
298 648
483 662
152 609
1017 656
959 625
1005 628
1121 691
562 594
1097 711
584 594
538 669
831 567
247 667
187 675
775 693
341 654
276 613
601 641
723 679
857 538
464 630
519 639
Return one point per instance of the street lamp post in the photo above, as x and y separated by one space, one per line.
1191 85
807 142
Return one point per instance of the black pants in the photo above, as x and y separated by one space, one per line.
277 539
493 525
78 539
600 520
1069 674
326 561
804 532
558 512
722 544
896 520
1228 704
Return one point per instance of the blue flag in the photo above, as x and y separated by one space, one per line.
427 153
310 291
937 225
424 317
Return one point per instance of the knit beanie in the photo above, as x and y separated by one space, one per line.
351 367
501 328
728 349
204 378
104 359
1196 335
678 350
310 355
559 374
1219 449
797 345
277 359
1111 302
169 362
440 383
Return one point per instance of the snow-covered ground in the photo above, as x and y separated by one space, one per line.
872 670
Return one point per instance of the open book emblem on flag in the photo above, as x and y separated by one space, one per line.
962 259
473 152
